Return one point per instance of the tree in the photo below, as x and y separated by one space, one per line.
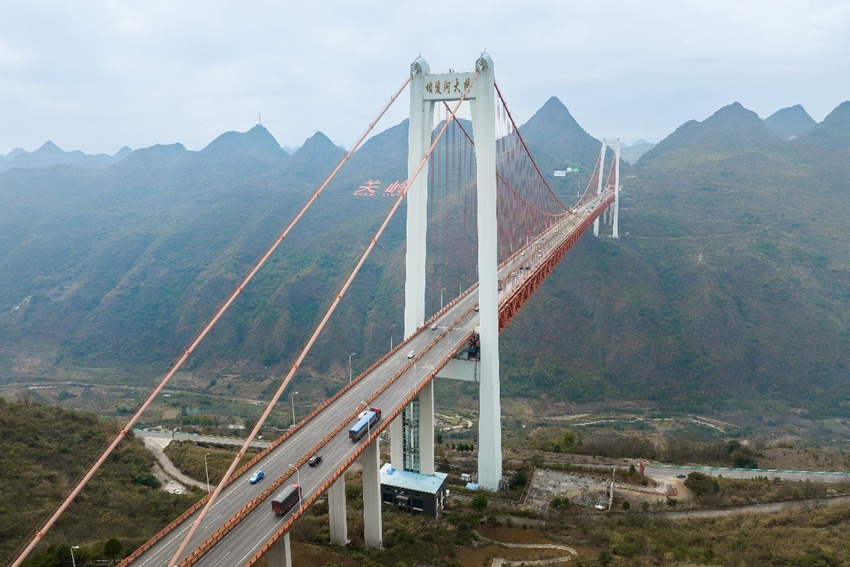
112 548
561 503
519 479
701 484
479 502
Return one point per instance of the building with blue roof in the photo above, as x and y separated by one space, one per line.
413 492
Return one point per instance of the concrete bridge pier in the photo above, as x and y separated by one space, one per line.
372 527
336 512
426 429
279 554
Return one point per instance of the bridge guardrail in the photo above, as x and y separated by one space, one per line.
214 538
261 455
356 454
519 295
250 506
255 502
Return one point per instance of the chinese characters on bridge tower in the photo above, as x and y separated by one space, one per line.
368 188
447 86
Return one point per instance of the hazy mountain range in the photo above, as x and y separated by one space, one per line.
786 123
727 292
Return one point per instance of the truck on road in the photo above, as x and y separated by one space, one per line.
365 420
286 499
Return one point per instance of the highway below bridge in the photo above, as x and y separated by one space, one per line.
237 529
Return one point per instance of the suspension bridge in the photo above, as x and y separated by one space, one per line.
481 214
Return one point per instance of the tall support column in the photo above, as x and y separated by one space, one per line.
599 185
411 436
337 514
615 230
280 554
372 528
490 422
419 140
397 442
426 429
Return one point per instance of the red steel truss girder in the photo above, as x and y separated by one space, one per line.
376 431
507 311
514 302
196 554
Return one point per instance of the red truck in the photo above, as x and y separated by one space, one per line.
286 499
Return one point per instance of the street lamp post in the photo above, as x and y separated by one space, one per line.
441 298
300 492
293 408
349 363
207 470
73 561
460 285
391 336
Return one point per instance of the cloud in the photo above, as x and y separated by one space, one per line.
8 56
98 74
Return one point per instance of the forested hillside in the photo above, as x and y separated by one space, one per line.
726 293
45 450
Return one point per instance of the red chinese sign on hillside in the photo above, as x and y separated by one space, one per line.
395 189
368 188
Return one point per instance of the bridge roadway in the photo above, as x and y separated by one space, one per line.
433 349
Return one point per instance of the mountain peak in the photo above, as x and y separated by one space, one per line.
317 141
828 141
730 129
257 141
554 114
790 122
317 153
734 123
839 118
554 104
732 115
48 148
123 152
565 138
318 146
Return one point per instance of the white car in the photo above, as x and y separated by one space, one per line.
411 354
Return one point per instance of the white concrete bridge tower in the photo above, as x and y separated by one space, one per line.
412 449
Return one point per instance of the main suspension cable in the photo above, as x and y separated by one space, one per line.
306 350
200 336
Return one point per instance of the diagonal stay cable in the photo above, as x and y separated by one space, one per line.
372 243
200 336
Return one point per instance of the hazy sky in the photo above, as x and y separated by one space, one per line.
98 75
